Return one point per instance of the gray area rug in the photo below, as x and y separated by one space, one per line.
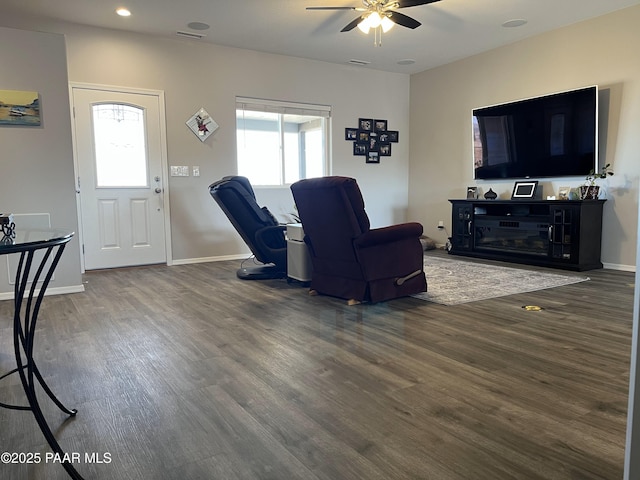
452 281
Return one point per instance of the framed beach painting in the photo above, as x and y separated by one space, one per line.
19 107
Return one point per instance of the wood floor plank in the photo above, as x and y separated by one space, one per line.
189 373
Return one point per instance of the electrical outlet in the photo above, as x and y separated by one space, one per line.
196 170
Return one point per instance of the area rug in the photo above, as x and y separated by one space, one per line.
452 281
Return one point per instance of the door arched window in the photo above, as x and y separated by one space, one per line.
120 146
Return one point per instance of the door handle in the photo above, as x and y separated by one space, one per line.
158 190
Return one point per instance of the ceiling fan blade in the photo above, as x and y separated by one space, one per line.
352 25
403 20
414 3
331 8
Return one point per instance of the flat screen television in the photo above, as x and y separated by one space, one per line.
554 135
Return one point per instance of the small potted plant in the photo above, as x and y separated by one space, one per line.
590 191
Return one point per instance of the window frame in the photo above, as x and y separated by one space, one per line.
283 108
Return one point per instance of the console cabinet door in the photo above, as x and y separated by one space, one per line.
563 236
462 239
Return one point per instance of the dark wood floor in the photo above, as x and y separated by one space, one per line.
187 373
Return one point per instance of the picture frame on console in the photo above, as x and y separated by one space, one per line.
563 193
524 190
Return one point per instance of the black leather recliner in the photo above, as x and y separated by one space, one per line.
257 227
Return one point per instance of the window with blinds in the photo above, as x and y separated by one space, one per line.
279 143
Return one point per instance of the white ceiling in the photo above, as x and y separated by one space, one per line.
451 29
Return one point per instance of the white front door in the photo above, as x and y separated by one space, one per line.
120 150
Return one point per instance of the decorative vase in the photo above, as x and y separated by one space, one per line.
490 195
589 192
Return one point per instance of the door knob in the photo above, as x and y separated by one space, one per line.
158 190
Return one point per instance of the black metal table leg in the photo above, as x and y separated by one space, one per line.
24 328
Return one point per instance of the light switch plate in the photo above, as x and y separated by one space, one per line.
179 171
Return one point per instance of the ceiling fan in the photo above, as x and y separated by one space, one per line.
380 14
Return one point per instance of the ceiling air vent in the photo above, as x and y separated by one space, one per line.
358 62
194 36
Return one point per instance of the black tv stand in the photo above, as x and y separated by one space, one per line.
551 233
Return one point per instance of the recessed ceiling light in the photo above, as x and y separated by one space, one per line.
406 61
198 26
123 12
517 22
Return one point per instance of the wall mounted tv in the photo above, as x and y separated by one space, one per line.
549 136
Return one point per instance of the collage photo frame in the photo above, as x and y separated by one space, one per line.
371 139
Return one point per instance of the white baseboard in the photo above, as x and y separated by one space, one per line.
221 258
50 291
622 268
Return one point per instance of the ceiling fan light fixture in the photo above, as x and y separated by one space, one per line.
386 24
374 19
365 25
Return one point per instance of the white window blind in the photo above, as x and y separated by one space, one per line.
275 106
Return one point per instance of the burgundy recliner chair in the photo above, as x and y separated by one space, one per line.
350 260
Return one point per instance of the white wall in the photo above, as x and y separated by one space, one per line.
194 75
596 52
37 162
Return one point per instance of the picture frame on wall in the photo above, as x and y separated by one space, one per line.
379 126
361 149
20 108
365 124
373 157
524 190
373 143
351 134
201 124
371 139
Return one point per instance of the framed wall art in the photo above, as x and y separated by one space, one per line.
351 134
379 126
360 148
371 139
201 124
20 107
373 157
365 124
